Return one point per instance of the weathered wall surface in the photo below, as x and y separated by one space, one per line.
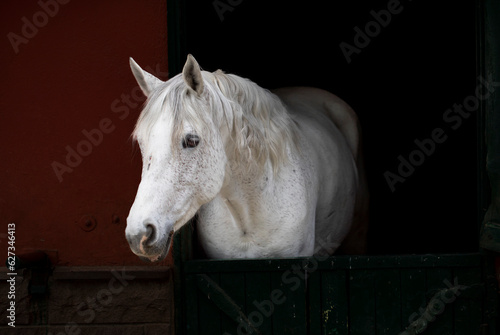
91 300
68 169
68 103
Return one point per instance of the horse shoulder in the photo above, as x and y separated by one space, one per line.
347 123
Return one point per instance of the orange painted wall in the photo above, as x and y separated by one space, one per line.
66 87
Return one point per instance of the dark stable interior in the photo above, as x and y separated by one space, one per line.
405 67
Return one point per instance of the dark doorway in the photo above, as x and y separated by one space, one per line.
404 66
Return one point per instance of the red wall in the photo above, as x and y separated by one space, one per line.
64 77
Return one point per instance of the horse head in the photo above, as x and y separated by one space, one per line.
183 156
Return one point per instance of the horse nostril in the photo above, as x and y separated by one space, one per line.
150 235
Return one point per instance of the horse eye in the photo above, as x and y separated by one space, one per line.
190 141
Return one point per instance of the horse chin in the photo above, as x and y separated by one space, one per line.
153 259
161 252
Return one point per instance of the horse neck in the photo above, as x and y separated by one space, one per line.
262 130
245 193
244 179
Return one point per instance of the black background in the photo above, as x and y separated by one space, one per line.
400 85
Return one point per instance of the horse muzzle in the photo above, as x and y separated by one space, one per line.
148 244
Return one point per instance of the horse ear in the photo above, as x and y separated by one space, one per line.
192 75
146 80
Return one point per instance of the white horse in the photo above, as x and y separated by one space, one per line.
269 175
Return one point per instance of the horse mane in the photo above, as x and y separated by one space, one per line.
256 120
